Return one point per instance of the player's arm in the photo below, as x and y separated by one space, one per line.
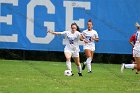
83 38
95 37
131 43
55 33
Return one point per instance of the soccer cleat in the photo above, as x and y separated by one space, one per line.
137 73
83 67
72 74
122 67
89 72
80 74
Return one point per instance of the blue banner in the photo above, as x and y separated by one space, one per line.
24 23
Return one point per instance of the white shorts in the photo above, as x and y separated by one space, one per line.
90 47
136 53
73 53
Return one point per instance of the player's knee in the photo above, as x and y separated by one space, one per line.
68 59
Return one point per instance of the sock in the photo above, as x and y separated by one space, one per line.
129 65
88 61
85 63
68 64
79 69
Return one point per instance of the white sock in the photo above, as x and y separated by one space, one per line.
79 69
88 61
68 64
85 63
129 65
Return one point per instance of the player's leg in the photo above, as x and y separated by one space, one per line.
76 59
138 63
133 60
68 60
92 55
85 63
137 60
135 66
130 66
77 62
89 59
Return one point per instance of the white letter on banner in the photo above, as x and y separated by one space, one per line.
69 12
8 20
30 21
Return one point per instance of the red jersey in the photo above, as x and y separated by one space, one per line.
133 38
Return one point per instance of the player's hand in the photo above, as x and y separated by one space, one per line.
86 41
137 24
50 31
93 38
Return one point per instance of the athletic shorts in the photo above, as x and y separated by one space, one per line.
90 47
73 53
136 53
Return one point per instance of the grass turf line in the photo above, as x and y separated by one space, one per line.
48 77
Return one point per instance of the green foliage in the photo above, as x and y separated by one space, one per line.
47 77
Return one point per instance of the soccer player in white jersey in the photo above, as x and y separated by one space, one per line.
136 53
72 46
89 37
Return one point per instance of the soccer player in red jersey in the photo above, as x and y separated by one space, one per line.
134 38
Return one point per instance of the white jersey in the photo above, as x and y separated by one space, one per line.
72 40
89 35
137 44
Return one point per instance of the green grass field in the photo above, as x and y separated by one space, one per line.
47 77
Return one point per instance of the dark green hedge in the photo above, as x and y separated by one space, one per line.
59 56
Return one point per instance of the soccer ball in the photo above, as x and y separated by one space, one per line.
67 73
